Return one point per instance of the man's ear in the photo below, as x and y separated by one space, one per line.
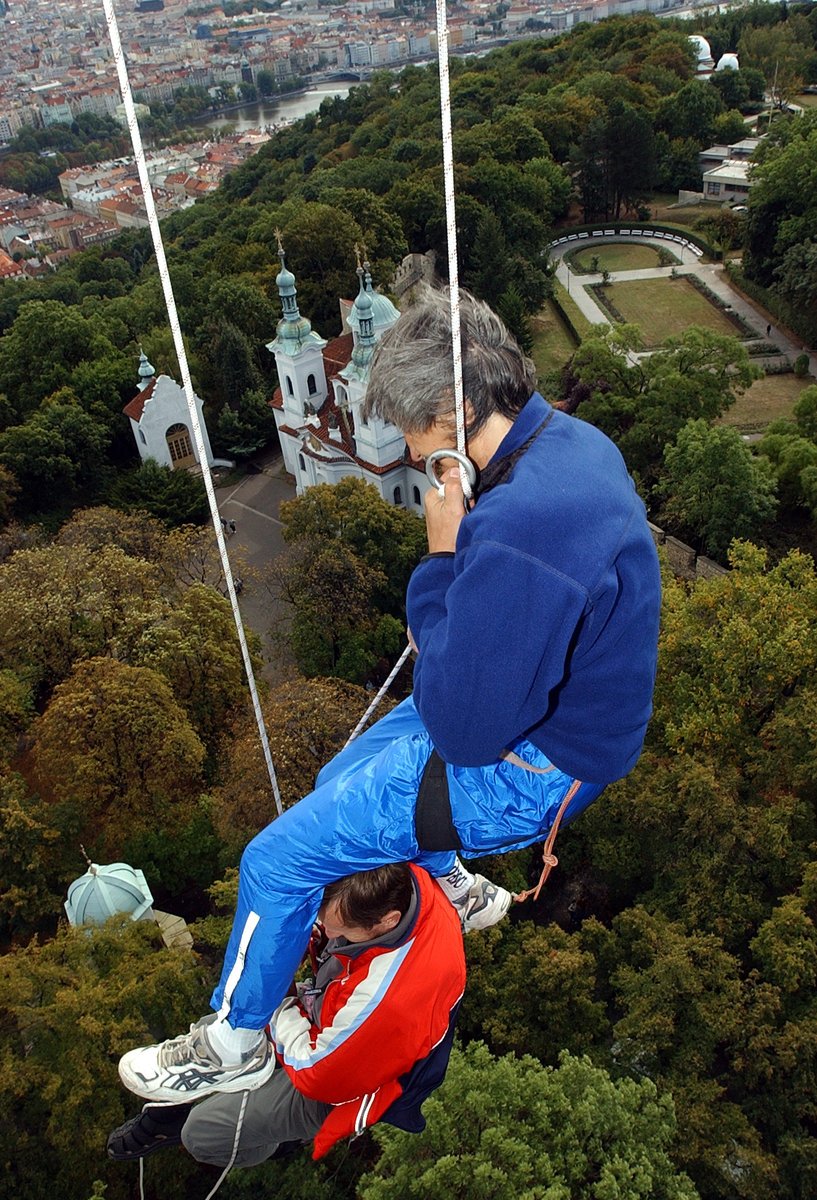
391 920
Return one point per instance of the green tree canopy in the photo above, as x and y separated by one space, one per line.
642 405
713 489
508 1127
116 745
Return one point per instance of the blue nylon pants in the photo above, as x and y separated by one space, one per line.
360 816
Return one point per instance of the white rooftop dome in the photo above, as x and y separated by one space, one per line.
701 47
728 62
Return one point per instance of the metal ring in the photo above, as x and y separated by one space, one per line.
462 459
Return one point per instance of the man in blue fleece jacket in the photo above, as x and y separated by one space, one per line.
535 620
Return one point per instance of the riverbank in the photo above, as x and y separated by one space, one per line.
227 108
274 111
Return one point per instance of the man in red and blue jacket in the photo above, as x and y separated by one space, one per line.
366 1039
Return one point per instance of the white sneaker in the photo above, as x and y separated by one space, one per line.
187 1067
483 905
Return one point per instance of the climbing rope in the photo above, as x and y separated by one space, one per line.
451 232
181 355
466 474
358 729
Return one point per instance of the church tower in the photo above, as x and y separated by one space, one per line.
377 442
298 357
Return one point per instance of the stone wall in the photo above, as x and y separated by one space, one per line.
414 269
682 558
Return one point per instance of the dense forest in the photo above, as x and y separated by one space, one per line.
647 1029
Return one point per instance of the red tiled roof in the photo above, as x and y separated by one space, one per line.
135 407
338 352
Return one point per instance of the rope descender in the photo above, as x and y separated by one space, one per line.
468 472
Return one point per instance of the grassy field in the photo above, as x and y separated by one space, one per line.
664 210
662 307
552 342
765 401
807 100
618 256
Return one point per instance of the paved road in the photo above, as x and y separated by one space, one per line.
253 505
712 274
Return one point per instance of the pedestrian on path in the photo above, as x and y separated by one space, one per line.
231 526
768 329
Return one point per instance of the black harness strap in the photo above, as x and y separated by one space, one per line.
433 822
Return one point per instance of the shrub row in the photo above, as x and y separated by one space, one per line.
803 324
562 311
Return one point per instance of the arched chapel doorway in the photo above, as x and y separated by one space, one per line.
178 443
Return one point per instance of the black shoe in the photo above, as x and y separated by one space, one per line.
153 1128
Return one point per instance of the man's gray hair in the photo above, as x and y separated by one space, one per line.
411 382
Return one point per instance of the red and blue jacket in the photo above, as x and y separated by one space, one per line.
378 1042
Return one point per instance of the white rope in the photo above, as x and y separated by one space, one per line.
181 354
237 1138
451 227
454 295
394 672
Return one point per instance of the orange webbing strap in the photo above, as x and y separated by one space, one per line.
548 857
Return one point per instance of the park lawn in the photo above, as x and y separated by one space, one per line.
767 400
663 307
807 100
665 211
553 344
619 256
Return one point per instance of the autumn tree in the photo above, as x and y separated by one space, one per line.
62 603
194 645
70 1008
307 721
29 851
116 745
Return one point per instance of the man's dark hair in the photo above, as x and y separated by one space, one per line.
365 898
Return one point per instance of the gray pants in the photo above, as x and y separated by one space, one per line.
275 1113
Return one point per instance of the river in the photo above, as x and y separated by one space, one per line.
271 112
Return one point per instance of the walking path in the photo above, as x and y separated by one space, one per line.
253 504
711 274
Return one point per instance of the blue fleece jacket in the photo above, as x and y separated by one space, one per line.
544 623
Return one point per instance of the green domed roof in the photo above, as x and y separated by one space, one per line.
383 312
284 278
104 891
